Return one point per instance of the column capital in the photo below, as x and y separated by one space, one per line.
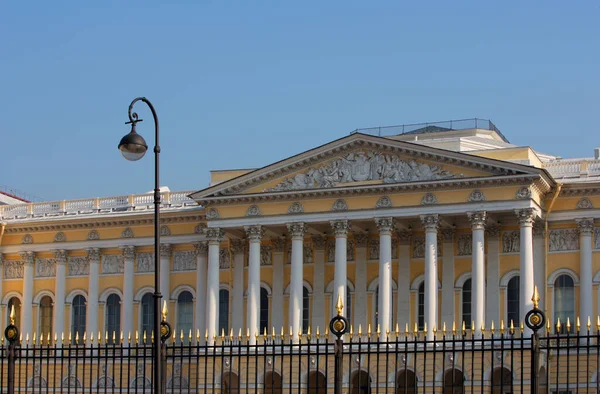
362 239
448 234
526 216
278 244
493 231
128 252
254 233
238 246
215 235
430 222
585 226
539 230
385 225
404 236
93 254
318 242
28 257
297 229
61 256
340 227
165 250
477 219
201 247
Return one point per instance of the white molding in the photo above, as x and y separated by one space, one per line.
106 293
41 294
374 284
305 283
263 285
103 244
225 286
10 295
460 281
574 214
369 214
180 289
562 271
329 287
414 286
142 292
507 277
73 294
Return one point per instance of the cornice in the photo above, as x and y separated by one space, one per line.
446 184
26 227
580 190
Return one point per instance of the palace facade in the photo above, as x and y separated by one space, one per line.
434 226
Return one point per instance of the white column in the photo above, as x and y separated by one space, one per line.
27 307
93 255
539 261
448 277
385 227
59 292
278 281
492 309
318 295
165 273
340 229
586 230
238 247
297 231
403 303
214 237
127 302
430 222
201 270
526 279
478 269
360 281
254 234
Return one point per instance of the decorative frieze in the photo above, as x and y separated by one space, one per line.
394 248
350 250
448 234
295 208
112 264
318 242
238 246
60 237
45 268
418 248
585 203
297 229
145 262
596 238
476 196
526 216
340 205
564 239
165 250
28 258
374 249
128 252
265 255
184 260
585 226
492 231
254 233
78 266
429 199
523 193
341 227
27 239
430 222
308 253
212 213
93 255
224 258
385 225
278 244
361 239
384 202
201 248
215 234
13 269
363 166
200 228
93 235
165 231
465 244
127 233
60 255
511 241
331 250
477 220
253 210
404 236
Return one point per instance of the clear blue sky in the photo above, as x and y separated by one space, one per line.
244 84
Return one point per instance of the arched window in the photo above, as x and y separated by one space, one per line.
185 314
501 381
466 303
230 383
512 301
113 317
317 383
78 312
377 307
264 310
564 300
223 311
46 315
273 384
454 382
14 301
361 383
305 310
147 316
421 306
406 382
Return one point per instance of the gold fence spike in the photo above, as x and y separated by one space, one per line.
55 337
230 334
483 328
114 337
84 337
512 327
360 330
128 337
454 328
12 314
308 332
444 328
492 328
464 328
70 337
522 327
589 323
351 331
369 329
247 333
27 338
291 333
472 326
152 336
240 335
548 326
378 330
165 311
299 332
598 323
34 338
273 334
137 336
434 330
425 328
121 337
20 337
416 329
106 337
568 324
205 334
48 339
282 333
190 335
502 326
265 333
406 329
318 335
326 331
198 335
77 337
339 306
577 325
181 336
536 297
99 336
223 333
397 329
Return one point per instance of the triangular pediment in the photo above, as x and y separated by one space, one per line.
361 160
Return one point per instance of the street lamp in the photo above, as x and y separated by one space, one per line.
133 147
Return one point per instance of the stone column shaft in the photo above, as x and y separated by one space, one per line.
278 281
127 302
27 307
165 272
318 296
237 302
340 229
214 236
586 230
360 281
526 278
492 312
385 226
93 255
201 271
430 222
59 292
448 277
254 234
297 231
478 270
403 278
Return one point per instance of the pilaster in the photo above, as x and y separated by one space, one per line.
238 247
59 292
448 276
201 249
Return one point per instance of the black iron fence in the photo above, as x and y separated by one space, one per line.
496 360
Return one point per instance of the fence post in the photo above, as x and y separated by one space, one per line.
12 335
165 333
535 320
338 327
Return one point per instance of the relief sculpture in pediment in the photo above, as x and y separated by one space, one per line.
363 166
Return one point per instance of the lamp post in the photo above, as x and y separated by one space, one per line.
133 147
